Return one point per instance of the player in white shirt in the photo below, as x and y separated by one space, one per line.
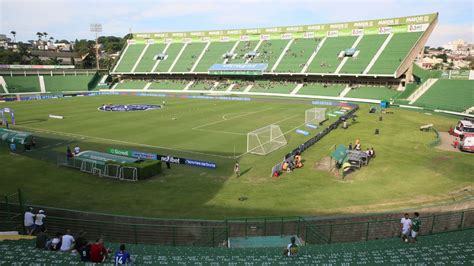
405 226
77 150
29 221
67 242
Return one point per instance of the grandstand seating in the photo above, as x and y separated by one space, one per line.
454 95
188 57
322 89
445 248
22 84
205 85
297 55
367 47
269 51
327 61
147 62
240 51
168 84
130 57
379 93
395 52
293 60
213 55
273 87
67 83
172 52
131 85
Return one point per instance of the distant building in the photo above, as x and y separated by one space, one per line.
66 58
460 47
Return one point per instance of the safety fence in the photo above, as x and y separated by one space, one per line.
213 233
437 141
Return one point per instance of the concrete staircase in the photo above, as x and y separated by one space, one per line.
421 90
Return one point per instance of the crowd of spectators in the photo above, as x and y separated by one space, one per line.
87 251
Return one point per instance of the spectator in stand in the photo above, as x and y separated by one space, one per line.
122 256
39 223
98 251
415 226
85 252
55 243
67 242
29 221
405 226
81 241
42 239
292 248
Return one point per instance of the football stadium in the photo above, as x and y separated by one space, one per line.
223 147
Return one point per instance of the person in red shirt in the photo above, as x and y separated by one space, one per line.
98 252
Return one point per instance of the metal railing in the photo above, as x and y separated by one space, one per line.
380 229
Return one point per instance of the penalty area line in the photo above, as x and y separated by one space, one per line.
123 142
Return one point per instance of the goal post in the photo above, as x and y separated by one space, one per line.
264 140
314 116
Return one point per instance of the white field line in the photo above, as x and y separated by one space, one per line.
220 131
121 141
220 121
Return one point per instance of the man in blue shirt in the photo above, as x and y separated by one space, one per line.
122 257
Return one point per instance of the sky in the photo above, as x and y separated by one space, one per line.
70 19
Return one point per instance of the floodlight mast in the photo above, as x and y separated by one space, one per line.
96 27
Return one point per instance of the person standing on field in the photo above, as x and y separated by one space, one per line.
237 169
405 226
416 223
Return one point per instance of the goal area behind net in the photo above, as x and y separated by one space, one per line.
265 140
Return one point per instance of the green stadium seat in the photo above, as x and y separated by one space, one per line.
453 95
20 84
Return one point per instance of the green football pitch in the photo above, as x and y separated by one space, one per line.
406 172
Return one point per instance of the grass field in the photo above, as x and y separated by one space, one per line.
406 173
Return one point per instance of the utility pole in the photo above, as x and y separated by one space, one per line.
96 27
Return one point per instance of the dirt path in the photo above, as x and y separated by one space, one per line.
447 142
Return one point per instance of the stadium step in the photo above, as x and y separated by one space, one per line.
379 52
140 57
230 87
4 84
147 86
200 56
345 57
158 61
296 89
255 50
103 79
345 91
305 68
177 57
421 90
232 51
282 55
41 82
189 85
249 87
215 85
469 110
121 57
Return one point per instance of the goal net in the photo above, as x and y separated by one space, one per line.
265 140
314 116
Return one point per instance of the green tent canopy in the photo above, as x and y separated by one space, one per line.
14 136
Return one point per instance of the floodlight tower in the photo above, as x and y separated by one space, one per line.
96 27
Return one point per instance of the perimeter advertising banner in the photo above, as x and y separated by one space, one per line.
380 26
163 158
